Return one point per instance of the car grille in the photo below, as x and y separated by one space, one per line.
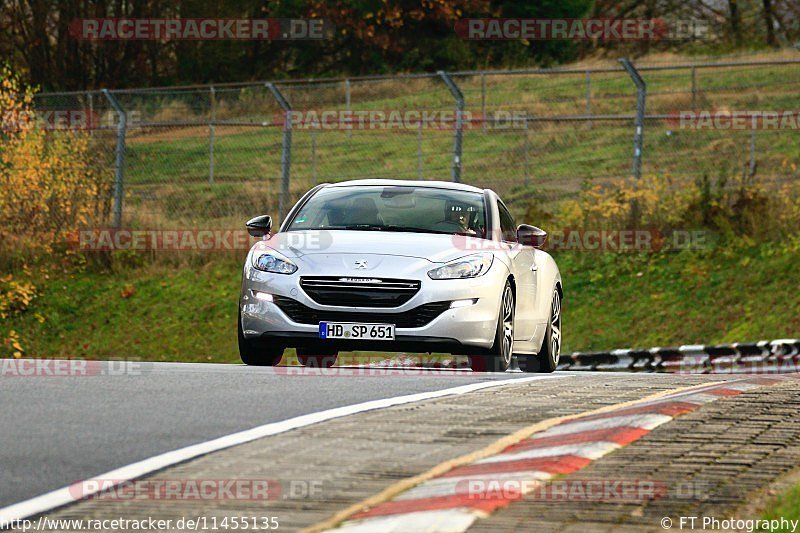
359 292
413 318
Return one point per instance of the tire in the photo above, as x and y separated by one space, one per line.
316 357
256 352
499 357
546 360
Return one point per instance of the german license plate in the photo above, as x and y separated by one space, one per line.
347 330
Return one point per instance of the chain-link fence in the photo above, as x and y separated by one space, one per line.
215 155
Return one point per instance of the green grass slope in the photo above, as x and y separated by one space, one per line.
162 313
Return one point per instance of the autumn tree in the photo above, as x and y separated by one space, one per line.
48 182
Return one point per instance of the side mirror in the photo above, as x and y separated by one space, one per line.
259 226
531 236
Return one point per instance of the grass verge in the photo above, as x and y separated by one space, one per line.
786 506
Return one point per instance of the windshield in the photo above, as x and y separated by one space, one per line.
394 208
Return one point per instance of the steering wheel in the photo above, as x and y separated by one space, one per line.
449 225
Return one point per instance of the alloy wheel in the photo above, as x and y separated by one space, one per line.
508 325
555 326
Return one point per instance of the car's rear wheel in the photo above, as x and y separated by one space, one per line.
322 357
499 357
258 352
547 359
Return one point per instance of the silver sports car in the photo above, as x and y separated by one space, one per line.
386 265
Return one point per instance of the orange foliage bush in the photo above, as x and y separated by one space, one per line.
660 205
744 208
48 185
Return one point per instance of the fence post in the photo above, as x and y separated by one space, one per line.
483 100
211 153
213 102
213 105
92 122
588 96
119 171
641 93
527 150
314 155
286 149
752 167
459 129
419 151
347 103
694 87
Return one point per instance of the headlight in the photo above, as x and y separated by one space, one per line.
470 266
273 262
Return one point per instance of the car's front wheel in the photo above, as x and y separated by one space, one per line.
499 357
547 358
257 352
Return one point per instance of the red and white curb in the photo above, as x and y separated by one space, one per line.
446 503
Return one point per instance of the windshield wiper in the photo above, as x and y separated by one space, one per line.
412 229
365 227
381 227
391 227
360 227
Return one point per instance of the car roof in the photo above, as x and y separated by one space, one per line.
409 183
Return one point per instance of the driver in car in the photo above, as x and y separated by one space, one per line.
457 218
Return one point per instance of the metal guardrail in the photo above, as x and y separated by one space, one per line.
779 356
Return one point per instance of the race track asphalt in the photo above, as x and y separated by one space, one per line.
59 430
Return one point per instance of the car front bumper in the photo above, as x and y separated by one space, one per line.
457 330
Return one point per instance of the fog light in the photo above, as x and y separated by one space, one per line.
463 303
263 296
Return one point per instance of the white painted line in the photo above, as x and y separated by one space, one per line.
587 450
62 496
700 398
444 521
643 421
686 396
679 396
742 386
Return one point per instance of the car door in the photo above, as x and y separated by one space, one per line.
524 271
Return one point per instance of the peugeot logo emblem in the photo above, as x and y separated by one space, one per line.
361 264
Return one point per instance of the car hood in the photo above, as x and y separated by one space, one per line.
431 247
